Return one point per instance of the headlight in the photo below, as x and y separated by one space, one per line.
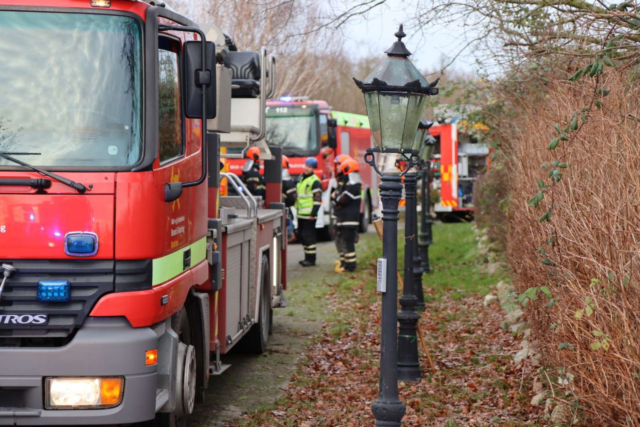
83 393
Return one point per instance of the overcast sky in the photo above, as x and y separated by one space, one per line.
374 34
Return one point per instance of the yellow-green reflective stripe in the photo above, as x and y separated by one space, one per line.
172 265
198 251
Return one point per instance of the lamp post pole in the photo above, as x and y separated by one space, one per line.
426 236
408 359
388 410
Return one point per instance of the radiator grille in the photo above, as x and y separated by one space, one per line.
89 281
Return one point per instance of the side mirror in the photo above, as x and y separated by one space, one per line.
196 77
332 124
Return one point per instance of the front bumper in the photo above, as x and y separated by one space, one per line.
102 347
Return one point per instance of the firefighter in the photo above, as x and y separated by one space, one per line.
340 180
348 213
288 197
308 202
253 181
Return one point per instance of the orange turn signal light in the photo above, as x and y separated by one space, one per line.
110 391
151 357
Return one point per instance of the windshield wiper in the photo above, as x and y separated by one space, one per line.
75 185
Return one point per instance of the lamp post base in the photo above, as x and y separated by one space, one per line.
408 357
388 413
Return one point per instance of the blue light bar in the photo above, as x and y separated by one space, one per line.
286 99
54 291
81 244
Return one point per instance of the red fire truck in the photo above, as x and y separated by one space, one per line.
309 128
459 158
124 274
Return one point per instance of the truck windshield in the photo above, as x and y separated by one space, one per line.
71 89
294 128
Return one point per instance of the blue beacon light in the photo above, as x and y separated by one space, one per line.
54 291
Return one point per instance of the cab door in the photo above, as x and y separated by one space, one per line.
173 164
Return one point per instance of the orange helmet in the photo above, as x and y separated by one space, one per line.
253 153
285 162
341 158
349 165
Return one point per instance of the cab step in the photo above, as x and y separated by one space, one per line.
216 369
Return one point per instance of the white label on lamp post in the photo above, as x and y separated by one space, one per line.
382 275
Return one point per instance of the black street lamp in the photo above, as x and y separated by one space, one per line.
395 94
426 143
426 232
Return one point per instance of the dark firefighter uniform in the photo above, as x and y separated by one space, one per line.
348 220
253 181
288 196
308 202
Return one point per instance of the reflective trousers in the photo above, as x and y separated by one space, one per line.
307 232
346 245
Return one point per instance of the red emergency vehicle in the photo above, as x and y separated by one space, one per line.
311 128
125 275
458 160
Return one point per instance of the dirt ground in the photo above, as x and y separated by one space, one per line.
256 381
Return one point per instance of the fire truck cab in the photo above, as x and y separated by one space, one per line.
459 159
125 275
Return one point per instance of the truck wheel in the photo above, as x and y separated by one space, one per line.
185 385
365 218
257 338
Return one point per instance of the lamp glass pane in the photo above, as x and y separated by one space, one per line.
415 106
393 111
371 99
418 143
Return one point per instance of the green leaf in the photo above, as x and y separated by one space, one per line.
546 216
553 144
574 122
545 290
610 62
579 314
594 69
597 333
556 175
587 300
557 127
535 200
577 75
588 310
544 166
595 345
551 303
541 185
545 261
565 346
563 165
598 104
564 137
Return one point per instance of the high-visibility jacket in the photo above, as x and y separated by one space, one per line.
309 199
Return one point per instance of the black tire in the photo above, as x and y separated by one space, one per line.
365 218
257 338
183 330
